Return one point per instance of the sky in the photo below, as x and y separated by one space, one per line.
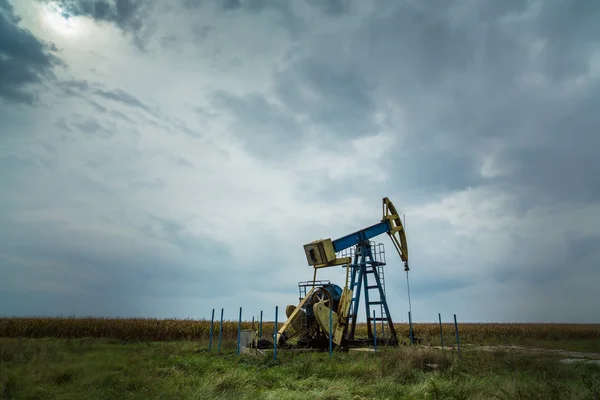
166 158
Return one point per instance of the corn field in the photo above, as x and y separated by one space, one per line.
185 329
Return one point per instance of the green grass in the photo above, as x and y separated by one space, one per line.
112 369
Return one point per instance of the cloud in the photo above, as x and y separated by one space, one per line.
127 15
332 8
123 97
25 60
188 176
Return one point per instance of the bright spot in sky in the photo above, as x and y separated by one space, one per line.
53 16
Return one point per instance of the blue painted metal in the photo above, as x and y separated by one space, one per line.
221 332
212 324
363 264
334 290
410 334
441 330
336 295
239 332
330 331
374 332
260 326
457 338
360 236
275 335
367 302
383 300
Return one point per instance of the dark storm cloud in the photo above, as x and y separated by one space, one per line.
128 15
14 161
88 90
498 80
61 124
91 126
436 285
70 86
25 60
263 127
98 107
153 184
572 31
85 90
336 97
279 14
457 80
337 100
223 5
564 166
332 8
230 4
458 83
180 161
122 97
120 115
71 262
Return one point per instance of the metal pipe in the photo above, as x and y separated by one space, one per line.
221 331
260 326
441 330
330 331
239 332
457 338
410 335
212 323
275 335
374 332
382 326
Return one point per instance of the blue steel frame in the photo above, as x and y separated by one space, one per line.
364 264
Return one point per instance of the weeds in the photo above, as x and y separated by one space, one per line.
101 368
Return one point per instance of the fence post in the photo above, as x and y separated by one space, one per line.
457 339
330 331
221 331
212 324
275 335
441 330
374 331
260 326
410 335
239 332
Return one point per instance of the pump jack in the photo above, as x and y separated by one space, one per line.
309 321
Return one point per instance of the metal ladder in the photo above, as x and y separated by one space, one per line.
384 321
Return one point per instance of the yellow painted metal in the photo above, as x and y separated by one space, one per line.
319 252
343 311
295 315
347 275
321 312
339 318
396 232
334 263
296 323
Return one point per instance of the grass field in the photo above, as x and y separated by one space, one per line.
90 358
113 369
